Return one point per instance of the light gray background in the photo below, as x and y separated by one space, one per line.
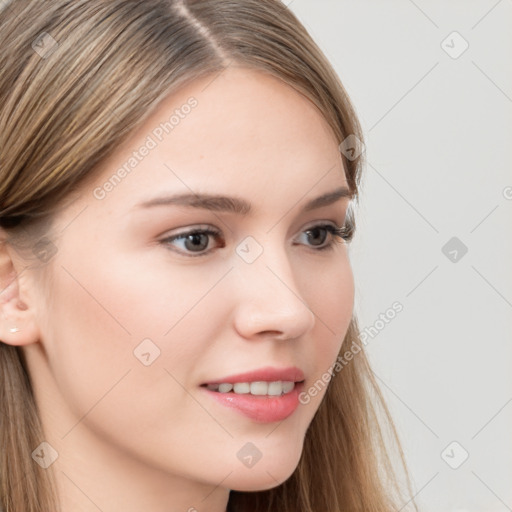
438 134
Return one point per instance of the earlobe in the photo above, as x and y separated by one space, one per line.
17 322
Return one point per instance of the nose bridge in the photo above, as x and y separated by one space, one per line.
269 300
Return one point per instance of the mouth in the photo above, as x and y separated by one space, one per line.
266 395
255 388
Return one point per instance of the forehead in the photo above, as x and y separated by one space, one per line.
240 131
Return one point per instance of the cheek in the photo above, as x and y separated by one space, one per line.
89 345
332 301
331 298
114 323
99 316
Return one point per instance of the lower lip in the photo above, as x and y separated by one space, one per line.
262 408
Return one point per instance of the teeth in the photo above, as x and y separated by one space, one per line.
288 386
275 388
257 388
225 388
242 388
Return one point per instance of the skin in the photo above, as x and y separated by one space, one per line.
133 437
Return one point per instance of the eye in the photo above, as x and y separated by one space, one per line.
195 242
344 234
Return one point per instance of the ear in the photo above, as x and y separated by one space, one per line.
17 320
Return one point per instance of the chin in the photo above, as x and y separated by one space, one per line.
262 477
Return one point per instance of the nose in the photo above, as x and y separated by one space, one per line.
270 304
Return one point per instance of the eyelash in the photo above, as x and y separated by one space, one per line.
344 233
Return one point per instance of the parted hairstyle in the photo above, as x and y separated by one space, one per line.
108 65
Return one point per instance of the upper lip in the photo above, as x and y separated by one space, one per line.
266 374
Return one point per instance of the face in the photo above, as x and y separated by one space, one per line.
146 319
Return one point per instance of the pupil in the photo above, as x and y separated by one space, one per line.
316 230
195 237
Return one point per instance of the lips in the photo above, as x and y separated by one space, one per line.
267 374
265 395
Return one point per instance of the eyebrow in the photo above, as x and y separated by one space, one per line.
232 204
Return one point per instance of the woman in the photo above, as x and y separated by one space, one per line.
177 298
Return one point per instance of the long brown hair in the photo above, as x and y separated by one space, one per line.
78 76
